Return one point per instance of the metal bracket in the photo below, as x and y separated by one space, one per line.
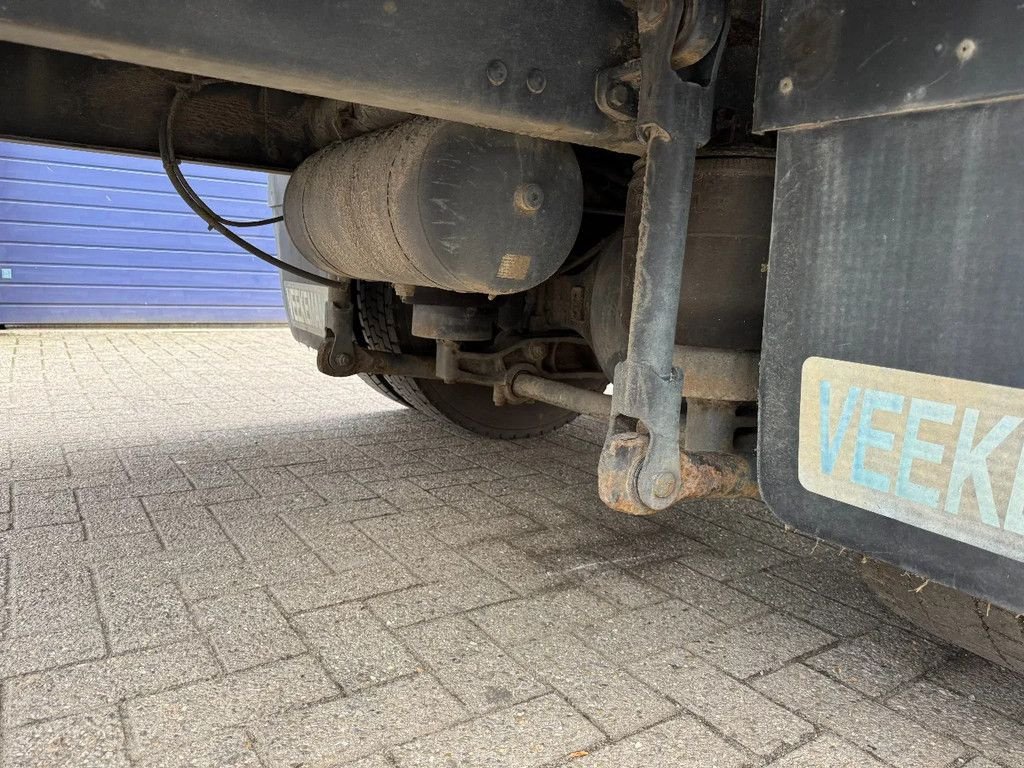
336 355
640 464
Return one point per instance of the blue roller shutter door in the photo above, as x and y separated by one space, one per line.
90 237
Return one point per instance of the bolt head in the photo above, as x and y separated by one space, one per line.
618 95
529 197
344 360
786 86
497 72
536 81
664 485
536 351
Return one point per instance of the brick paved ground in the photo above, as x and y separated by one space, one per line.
211 555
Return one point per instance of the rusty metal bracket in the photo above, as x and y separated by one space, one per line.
703 475
640 464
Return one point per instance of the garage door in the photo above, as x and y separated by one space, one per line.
89 237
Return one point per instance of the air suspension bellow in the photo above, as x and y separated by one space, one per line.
438 204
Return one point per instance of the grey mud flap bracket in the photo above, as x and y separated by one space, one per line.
639 470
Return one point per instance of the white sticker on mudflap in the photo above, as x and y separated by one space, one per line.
946 455
307 306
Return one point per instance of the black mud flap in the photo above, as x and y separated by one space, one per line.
892 371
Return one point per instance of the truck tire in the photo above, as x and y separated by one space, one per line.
376 382
383 322
956 617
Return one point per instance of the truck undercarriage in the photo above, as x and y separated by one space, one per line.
759 225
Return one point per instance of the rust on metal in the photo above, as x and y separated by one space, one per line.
716 476
704 475
617 473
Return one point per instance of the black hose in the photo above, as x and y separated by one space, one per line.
202 210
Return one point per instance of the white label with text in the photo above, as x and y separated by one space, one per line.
943 454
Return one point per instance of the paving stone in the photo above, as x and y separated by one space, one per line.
542 510
880 660
246 630
271 505
749 519
621 588
836 578
731 707
643 632
273 481
894 739
470 665
192 714
617 703
881 731
46 600
457 477
200 497
828 615
760 645
188 527
471 501
723 602
464 534
683 742
357 584
259 535
395 530
423 555
143 615
346 729
352 511
89 740
804 690
733 556
338 487
376 761
530 734
97 552
513 567
404 494
44 540
338 543
634 548
984 683
568 550
443 598
945 712
354 646
228 448
827 751
518 621
224 748
37 509
358 466
115 517
68 690
211 474
31 653
981 762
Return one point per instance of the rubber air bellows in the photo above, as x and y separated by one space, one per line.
438 204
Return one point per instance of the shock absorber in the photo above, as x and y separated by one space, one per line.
639 471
